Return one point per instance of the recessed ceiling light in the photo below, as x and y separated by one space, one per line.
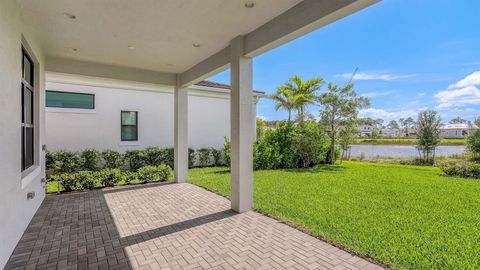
69 15
196 45
131 47
249 4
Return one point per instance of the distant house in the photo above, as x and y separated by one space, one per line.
408 133
366 130
456 131
390 132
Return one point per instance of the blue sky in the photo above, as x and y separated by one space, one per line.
411 55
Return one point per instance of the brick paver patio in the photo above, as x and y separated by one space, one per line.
165 226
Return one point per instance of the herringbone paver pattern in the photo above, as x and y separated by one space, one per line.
166 226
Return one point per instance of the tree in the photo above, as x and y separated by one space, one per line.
260 128
375 132
393 124
473 144
407 124
346 137
477 121
305 93
379 123
428 134
297 94
457 120
340 107
284 99
473 141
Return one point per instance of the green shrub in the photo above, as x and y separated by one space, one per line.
473 144
67 180
266 156
89 160
227 150
49 161
135 159
110 177
112 159
461 169
66 161
150 174
191 158
129 177
203 157
217 156
85 179
311 144
168 156
153 156
275 149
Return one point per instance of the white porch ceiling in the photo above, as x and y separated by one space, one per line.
162 31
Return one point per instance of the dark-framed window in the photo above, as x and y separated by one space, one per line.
71 100
28 109
129 125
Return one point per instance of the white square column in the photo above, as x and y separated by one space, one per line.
181 132
241 117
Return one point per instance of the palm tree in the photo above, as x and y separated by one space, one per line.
284 99
301 93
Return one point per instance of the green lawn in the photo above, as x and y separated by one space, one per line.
407 217
404 141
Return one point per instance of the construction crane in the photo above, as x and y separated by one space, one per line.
353 75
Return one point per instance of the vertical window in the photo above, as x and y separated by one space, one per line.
28 130
129 122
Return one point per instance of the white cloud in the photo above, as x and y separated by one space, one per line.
469 95
471 80
262 117
372 76
379 94
387 115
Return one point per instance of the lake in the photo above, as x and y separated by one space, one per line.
402 151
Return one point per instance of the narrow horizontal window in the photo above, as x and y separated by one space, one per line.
70 100
129 126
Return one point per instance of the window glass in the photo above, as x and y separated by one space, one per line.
27 70
70 100
129 118
28 147
129 128
129 133
28 106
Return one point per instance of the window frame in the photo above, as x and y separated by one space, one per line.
122 125
75 93
27 86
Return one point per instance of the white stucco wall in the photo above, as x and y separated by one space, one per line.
15 210
79 129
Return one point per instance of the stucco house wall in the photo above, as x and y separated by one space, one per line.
15 209
79 129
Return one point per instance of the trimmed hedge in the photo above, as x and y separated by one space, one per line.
88 180
64 161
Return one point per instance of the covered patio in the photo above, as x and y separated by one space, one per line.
166 226
171 43
179 43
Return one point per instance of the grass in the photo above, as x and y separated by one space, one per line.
406 217
404 141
